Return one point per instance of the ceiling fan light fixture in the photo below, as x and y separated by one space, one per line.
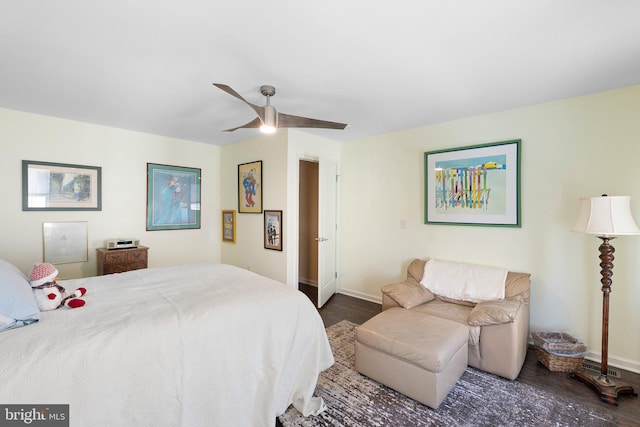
269 120
270 123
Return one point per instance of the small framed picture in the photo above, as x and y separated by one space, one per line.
273 230
250 187
229 226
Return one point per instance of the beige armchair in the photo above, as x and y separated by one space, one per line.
498 330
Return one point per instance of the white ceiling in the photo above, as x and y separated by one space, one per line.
381 66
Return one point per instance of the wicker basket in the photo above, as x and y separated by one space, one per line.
558 351
556 363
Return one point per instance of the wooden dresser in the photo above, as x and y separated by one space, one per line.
121 260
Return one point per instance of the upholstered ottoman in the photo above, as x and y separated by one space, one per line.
421 356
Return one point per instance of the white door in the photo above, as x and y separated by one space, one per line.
327 217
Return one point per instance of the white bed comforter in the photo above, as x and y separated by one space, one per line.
193 345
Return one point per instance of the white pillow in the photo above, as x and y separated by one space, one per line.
466 282
18 305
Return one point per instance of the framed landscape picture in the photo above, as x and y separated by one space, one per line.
273 230
250 187
173 197
50 186
474 185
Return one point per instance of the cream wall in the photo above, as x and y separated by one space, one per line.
248 251
280 154
573 148
123 157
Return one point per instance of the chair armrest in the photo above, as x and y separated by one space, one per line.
408 294
494 312
517 284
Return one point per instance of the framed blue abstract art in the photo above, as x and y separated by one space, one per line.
173 197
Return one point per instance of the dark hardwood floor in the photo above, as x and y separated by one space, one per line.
341 307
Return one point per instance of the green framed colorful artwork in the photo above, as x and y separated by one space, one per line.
474 185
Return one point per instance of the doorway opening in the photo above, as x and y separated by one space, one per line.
308 229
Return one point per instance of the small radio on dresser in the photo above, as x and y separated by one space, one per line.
122 243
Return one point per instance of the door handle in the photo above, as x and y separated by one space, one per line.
320 239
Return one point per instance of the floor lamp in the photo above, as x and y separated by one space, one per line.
606 217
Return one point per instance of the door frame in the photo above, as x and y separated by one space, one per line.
294 218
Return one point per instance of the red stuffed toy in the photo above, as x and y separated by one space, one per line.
48 293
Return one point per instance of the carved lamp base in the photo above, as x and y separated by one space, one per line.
608 389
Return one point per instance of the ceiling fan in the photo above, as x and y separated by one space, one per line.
269 119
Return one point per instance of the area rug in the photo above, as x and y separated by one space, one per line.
478 399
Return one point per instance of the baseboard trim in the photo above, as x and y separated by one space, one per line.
615 362
309 282
360 295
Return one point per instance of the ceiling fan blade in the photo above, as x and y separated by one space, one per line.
289 121
255 123
259 110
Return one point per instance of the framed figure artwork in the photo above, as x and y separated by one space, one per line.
273 230
474 185
173 197
250 187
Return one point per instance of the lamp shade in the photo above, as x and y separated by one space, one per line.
606 216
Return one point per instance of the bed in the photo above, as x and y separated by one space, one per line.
193 345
